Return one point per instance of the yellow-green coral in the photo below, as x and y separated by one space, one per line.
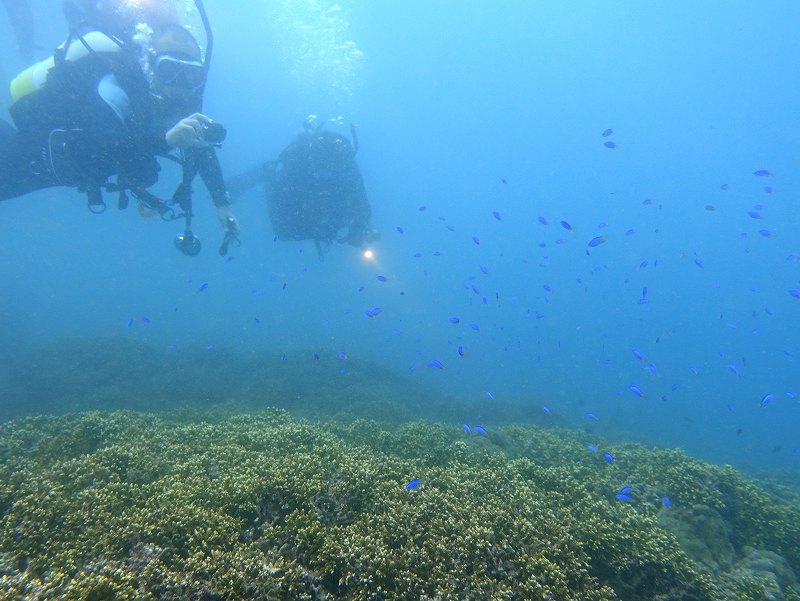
126 505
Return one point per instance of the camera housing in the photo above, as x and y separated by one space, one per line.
215 133
188 243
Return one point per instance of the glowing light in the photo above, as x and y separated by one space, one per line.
369 255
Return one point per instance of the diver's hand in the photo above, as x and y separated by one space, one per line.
189 132
231 228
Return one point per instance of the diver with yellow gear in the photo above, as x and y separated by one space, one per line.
124 88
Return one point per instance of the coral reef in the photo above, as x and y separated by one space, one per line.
175 506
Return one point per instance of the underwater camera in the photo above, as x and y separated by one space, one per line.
188 243
214 133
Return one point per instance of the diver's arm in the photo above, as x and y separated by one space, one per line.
240 184
208 166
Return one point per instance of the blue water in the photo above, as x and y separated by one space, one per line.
468 109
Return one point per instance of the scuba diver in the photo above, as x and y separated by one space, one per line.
124 88
314 189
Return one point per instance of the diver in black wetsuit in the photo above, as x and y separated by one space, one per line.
314 189
106 105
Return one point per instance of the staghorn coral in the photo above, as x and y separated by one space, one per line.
127 505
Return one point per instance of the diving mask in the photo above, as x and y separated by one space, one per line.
170 70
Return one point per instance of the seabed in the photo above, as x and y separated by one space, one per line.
221 504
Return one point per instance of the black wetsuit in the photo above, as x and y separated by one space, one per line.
71 132
314 191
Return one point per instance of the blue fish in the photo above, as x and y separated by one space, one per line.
765 400
567 226
454 320
624 498
637 391
460 350
625 490
373 312
762 173
593 417
130 322
667 502
484 270
413 484
436 363
608 457
381 278
592 448
489 395
480 430
597 241
497 215
607 132
542 220
610 145
476 240
400 230
546 410
467 429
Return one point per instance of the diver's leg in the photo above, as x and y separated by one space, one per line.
23 164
